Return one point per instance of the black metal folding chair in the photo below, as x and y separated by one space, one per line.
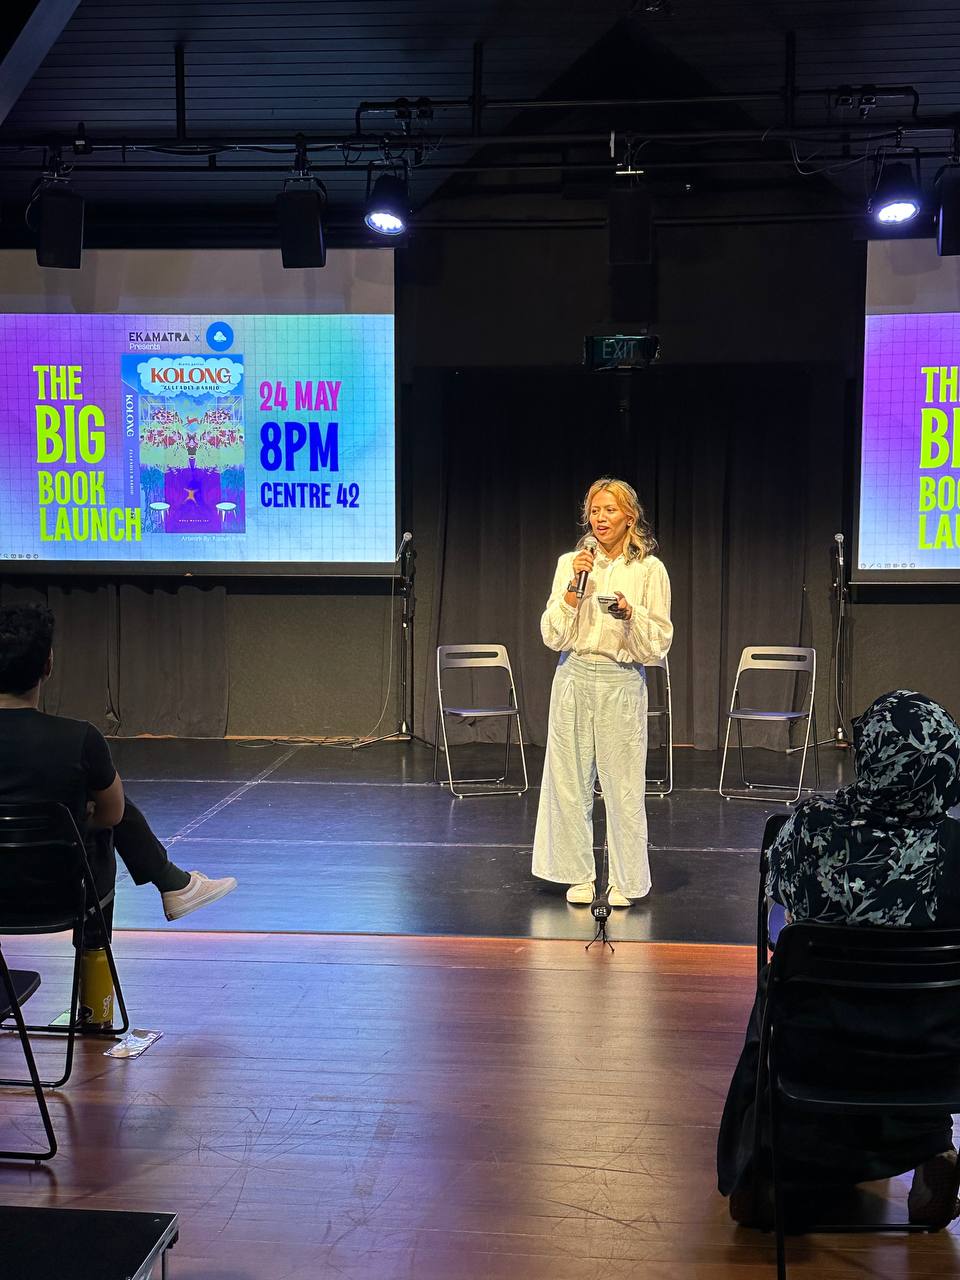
859 971
785 660
478 657
46 886
660 708
16 988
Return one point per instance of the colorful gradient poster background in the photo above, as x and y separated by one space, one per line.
908 467
185 439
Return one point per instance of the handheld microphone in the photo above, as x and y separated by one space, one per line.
589 544
407 537
838 539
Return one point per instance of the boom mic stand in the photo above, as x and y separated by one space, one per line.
408 572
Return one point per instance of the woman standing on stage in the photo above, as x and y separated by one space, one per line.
598 705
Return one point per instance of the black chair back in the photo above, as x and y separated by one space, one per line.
46 886
44 875
872 1008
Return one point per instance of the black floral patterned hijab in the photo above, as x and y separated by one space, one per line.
871 854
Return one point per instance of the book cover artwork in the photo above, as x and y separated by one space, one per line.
189 415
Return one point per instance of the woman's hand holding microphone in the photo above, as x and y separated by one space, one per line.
582 563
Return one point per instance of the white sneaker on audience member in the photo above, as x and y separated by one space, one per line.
200 892
616 898
581 894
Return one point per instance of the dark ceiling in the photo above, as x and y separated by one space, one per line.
256 73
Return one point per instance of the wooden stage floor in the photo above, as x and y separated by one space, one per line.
383 1108
478 1100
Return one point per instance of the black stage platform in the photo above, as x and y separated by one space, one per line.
84 1244
328 840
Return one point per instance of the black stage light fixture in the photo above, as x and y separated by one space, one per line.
57 214
896 197
948 213
387 205
300 211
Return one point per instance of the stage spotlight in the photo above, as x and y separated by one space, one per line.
57 214
387 207
896 198
300 218
948 213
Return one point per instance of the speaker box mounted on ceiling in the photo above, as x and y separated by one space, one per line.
633 294
300 216
59 220
948 214
630 227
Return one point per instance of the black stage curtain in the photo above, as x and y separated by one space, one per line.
719 456
495 464
144 658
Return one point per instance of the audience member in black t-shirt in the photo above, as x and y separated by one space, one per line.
44 757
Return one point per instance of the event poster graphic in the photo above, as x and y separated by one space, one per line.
910 443
219 440
189 412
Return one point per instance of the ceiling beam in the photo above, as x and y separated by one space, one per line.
30 46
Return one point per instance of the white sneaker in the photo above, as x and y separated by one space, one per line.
581 894
198 893
616 898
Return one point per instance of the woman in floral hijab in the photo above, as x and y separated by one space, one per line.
882 851
872 854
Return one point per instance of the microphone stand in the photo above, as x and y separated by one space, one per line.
600 907
601 913
408 572
840 738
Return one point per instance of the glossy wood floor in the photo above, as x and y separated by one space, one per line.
378 1108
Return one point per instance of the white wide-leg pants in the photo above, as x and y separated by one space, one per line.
598 725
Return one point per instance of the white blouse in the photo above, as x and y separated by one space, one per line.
591 630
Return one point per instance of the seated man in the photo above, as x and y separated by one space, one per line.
881 852
44 757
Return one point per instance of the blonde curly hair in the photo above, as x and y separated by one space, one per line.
639 541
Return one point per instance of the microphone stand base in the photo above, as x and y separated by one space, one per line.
601 937
400 734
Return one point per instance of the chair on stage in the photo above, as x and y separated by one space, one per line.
478 658
16 988
660 709
46 886
873 982
782 659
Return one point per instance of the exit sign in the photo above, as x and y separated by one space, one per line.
620 350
